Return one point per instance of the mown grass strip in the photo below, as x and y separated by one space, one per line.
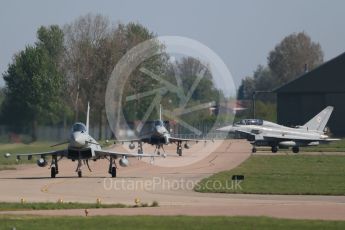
282 174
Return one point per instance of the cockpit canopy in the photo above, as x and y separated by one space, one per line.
250 122
78 127
159 123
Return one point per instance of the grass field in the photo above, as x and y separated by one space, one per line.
159 222
335 146
282 174
6 206
5 167
14 206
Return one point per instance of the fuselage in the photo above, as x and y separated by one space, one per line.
81 144
158 134
265 132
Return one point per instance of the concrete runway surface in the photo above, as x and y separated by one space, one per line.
168 181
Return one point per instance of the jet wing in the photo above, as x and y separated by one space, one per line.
176 139
141 138
121 154
129 140
283 137
43 154
331 139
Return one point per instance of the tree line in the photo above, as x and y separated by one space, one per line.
51 81
289 59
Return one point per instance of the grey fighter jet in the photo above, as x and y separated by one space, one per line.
82 147
265 133
158 135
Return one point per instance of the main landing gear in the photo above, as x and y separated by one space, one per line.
253 149
295 149
274 149
112 167
54 168
179 148
140 148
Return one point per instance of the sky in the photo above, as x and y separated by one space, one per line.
240 32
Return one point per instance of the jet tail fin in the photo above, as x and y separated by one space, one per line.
160 111
87 117
319 122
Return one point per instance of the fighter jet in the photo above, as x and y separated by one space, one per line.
158 135
265 133
82 147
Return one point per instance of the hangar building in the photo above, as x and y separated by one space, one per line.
301 99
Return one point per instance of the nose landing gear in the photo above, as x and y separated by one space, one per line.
112 167
78 170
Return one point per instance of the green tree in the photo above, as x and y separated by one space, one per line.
2 95
189 70
51 39
190 74
264 80
288 58
138 82
33 86
246 89
266 110
93 48
285 62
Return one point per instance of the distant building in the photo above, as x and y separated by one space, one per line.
302 98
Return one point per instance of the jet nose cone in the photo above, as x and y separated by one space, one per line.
78 139
160 130
229 128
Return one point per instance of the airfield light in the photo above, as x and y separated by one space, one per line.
86 212
137 201
22 200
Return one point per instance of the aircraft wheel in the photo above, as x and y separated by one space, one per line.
179 152
253 150
113 172
52 172
79 174
295 149
274 149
